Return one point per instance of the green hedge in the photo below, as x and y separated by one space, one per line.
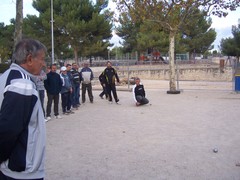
4 67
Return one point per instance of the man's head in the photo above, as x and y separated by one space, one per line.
53 68
64 70
69 67
30 54
137 80
109 64
85 64
75 66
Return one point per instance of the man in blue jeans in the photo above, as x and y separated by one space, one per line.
76 86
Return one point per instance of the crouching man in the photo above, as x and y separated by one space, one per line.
139 93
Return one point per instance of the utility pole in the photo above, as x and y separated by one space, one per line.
52 31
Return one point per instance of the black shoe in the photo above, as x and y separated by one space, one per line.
101 97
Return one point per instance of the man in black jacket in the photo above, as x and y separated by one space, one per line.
53 85
139 93
111 75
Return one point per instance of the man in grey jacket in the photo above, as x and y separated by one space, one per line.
22 125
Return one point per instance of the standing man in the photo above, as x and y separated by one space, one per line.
76 86
110 75
66 91
39 80
53 86
22 125
102 80
86 75
139 93
69 67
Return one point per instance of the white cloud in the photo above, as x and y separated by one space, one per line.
223 26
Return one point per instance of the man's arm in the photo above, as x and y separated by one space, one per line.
116 75
15 115
133 91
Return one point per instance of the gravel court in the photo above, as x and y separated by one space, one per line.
173 138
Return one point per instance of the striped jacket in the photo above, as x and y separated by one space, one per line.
22 126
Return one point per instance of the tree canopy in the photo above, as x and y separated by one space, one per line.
231 46
171 16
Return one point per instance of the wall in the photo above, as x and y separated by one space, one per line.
185 73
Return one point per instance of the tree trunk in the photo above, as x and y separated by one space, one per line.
76 54
172 69
19 22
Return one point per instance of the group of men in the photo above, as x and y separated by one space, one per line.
67 84
22 125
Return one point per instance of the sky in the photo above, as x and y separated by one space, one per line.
223 26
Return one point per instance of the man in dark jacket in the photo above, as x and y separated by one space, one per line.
111 75
22 124
102 80
139 93
53 86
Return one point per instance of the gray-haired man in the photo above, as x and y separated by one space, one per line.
22 124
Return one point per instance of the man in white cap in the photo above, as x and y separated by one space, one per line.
66 91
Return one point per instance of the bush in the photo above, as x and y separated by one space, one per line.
4 67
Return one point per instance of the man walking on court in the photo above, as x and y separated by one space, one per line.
111 76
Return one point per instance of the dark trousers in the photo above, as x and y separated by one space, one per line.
55 100
66 106
142 100
112 88
3 177
104 92
87 87
41 96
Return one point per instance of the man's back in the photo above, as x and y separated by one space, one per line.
22 115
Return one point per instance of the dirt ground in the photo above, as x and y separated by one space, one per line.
173 138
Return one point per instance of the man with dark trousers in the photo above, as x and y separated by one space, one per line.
86 75
111 76
53 86
76 86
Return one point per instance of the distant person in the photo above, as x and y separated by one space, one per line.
53 86
40 87
111 76
102 80
139 93
66 91
69 67
22 125
76 86
86 75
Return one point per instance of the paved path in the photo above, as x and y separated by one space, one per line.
171 139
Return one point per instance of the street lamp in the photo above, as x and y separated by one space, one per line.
52 32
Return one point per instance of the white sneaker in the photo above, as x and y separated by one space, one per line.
48 119
58 117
